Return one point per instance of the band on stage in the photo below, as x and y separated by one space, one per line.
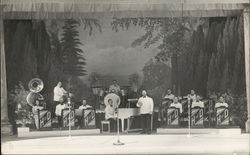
173 111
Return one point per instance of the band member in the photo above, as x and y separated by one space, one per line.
197 102
169 95
59 93
176 104
146 105
84 105
114 87
123 99
58 112
192 95
221 103
35 109
110 114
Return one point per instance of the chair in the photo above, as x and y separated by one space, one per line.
105 122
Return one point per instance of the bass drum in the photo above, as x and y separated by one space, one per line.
115 99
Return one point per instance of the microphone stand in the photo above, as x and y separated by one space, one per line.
189 119
118 142
69 103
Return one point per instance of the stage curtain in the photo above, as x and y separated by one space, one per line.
48 9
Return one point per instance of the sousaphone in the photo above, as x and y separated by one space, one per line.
35 86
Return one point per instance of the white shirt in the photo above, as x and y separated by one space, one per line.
198 104
192 97
59 109
177 105
36 108
58 93
109 112
219 104
83 107
169 96
146 105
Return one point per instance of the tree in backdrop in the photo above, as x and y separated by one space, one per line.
94 78
155 81
134 79
172 35
73 59
72 55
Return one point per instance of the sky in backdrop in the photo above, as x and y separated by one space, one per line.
110 52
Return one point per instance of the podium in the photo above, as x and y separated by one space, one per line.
222 116
43 119
197 117
173 117
65 119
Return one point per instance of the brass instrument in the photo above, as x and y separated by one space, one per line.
35 86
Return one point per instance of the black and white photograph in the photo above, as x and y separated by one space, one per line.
125 77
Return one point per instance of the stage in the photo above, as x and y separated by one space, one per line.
134 144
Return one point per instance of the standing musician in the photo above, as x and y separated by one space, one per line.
59 94
146 105
114 87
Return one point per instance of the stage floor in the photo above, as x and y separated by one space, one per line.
134 144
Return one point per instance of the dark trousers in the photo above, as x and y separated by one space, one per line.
60 121
113 125
146 123
53 108
80 121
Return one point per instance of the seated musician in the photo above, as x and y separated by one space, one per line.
114 87
221 103
167 99
58 112
35 109
110 114
169 95
84 106
192 96
176 104
197 102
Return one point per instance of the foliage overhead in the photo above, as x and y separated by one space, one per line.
170 32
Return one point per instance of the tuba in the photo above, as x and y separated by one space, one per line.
35 86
